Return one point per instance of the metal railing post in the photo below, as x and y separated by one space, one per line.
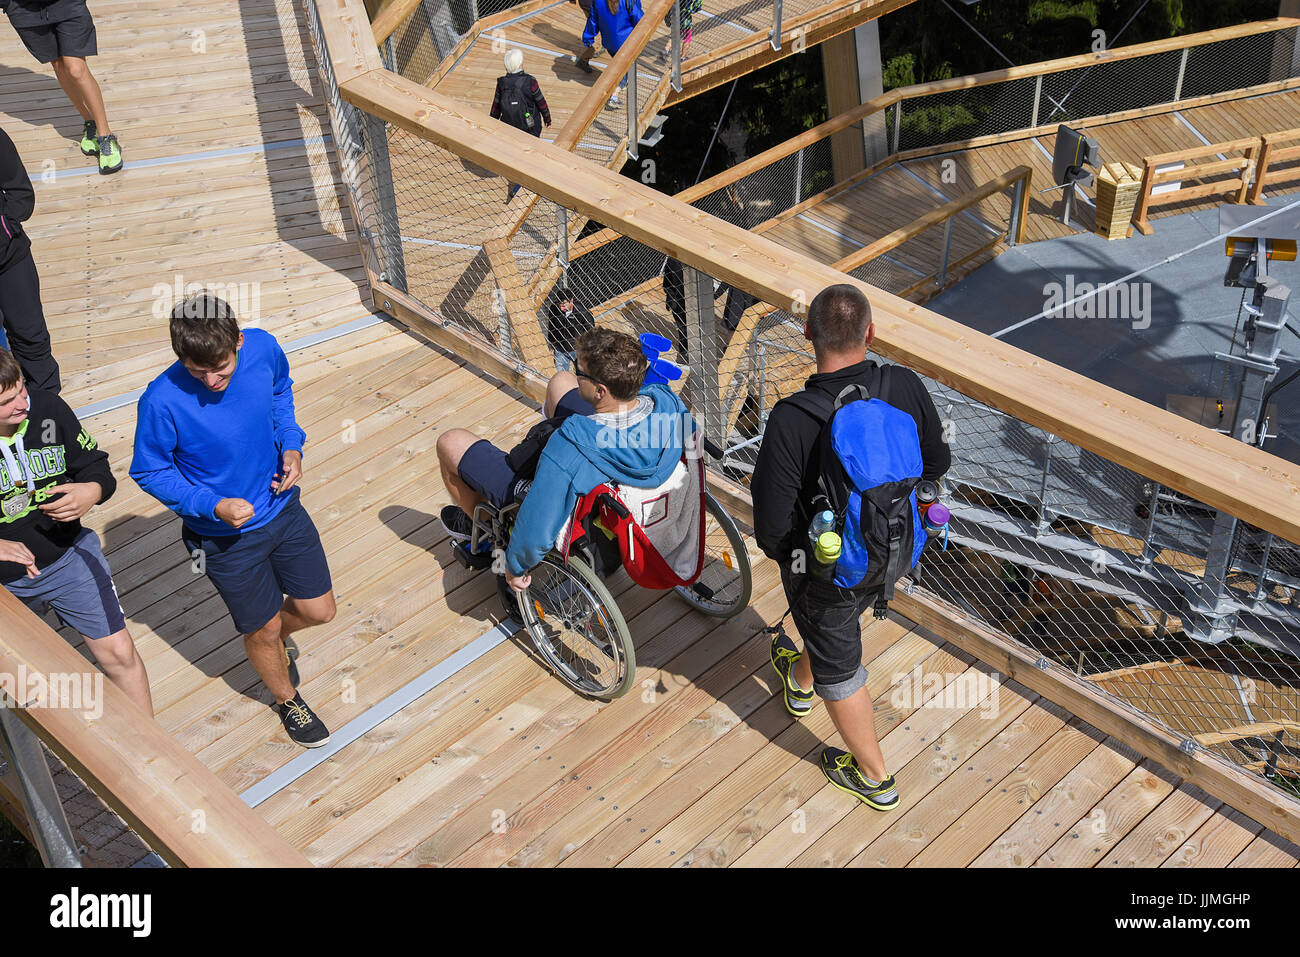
702 347
947 245
1182 68
390 55
898 121
22 749
775 38
1042 485
392 261
562 241
798 178
675 26
633 136
1038 95
1013 221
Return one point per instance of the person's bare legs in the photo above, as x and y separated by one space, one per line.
561 384
451 447
299 613
854 719
122 664
265 651
79 83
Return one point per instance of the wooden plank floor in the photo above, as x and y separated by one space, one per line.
229 180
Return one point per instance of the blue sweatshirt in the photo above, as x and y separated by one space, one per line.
613 27
194 447
583 454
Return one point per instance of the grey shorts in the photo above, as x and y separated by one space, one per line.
829 620
79 587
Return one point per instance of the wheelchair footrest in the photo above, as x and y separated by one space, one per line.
476 561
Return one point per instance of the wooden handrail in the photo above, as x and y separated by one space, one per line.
1270 154
390 18
1212 468
179 807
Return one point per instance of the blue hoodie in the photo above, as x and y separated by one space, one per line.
614 27
583 454
194 447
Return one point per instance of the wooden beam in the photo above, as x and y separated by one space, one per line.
179 807
1212 468
390 18
526 333
351 45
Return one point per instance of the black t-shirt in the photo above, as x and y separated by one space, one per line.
59 450
791 435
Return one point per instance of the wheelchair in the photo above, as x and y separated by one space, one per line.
573 621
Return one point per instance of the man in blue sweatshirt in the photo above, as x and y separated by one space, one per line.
217 443
614 429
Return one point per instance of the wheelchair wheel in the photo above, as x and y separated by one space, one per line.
575 625
725 583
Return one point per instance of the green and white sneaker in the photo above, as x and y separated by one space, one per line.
784 657
110 154
88 145
841 769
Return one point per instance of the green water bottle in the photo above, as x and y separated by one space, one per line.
826 552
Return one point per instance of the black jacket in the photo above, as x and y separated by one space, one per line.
791 435
70 455
17 200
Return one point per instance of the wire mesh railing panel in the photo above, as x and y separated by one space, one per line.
952 115
420 42
1239 62
1109 87
707 27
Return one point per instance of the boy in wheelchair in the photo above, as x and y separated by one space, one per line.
605 426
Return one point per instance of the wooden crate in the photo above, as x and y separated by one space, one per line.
1118 185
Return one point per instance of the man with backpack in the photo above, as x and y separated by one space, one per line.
519 102
854 443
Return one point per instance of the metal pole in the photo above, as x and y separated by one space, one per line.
702 345
775 37
947 245
1148 556
22 749
676 43
390 55
632 109
1013 222
798 178
392 263
898 120
1042 486
562 240
1182 68
1260 592
1038 94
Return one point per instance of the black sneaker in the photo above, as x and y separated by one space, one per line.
302 724
841 769
456 523
289 656
784 657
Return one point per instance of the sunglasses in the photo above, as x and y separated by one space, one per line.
582 375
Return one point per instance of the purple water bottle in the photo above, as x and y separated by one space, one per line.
935 521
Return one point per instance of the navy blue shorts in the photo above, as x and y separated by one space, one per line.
483 466
253 572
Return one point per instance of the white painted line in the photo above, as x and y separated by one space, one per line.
40 177
285 775
306 342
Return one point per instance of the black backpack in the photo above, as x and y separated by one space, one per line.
516 103
865 467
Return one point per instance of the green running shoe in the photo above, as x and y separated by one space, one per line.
784 656
841 769
110 155
88 145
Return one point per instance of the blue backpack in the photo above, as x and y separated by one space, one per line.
865 468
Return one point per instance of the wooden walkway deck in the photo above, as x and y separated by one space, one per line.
497 764
831 228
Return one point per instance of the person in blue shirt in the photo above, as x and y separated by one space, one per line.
217 443
614 428
614 20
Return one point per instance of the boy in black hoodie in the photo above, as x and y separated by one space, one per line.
20 287
51 474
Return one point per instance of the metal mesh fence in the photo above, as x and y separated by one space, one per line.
1168 605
